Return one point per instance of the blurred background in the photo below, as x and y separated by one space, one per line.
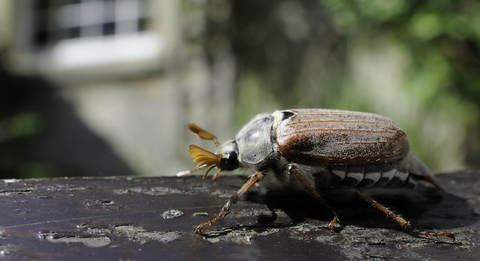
107 87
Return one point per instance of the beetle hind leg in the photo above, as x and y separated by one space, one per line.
399 220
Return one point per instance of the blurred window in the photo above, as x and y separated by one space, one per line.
82 33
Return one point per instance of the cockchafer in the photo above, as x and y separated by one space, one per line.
322 151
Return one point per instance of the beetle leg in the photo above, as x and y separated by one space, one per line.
315 194
255 178
399 220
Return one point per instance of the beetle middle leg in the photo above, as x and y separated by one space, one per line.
399 220
254 179
293 170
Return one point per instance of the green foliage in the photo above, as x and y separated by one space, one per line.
15 131
19 126
441 41
417 62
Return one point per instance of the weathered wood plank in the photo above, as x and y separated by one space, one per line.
133 218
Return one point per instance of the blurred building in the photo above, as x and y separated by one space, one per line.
132 72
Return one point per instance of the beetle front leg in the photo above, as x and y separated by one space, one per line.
292 170
254 179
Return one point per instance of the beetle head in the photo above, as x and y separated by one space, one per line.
225 158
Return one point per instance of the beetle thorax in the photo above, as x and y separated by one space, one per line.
254 140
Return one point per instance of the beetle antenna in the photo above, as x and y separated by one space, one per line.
203 134
205 159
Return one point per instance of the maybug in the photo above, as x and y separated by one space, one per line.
322 151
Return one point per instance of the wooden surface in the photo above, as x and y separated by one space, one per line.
139 218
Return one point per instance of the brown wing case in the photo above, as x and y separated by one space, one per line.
322 136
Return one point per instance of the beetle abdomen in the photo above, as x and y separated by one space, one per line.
363 176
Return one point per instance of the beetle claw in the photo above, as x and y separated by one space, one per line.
335 223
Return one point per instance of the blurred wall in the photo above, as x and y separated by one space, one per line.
139 105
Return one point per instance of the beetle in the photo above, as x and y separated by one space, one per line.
322 151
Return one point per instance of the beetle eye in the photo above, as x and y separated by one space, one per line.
229 161
232 159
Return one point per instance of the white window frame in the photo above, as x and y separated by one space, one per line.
91 52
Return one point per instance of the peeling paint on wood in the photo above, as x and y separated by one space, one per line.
124 218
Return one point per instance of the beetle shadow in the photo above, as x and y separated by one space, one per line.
425 207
